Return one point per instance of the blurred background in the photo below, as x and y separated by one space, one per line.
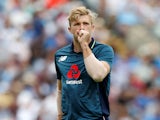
32 30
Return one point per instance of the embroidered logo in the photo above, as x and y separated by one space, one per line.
74 72
62 58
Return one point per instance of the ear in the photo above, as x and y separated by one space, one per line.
93 27
69 29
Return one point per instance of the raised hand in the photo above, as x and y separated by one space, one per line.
83 36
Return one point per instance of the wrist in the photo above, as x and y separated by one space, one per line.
84 46
86 50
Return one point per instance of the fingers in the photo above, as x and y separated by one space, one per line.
82 35
82 32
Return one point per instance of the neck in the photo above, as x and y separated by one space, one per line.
77 48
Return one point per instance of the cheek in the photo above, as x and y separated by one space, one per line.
74 30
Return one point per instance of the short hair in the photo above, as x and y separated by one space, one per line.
80 11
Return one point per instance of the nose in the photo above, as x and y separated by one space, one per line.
81 27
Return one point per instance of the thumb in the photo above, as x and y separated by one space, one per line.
79 39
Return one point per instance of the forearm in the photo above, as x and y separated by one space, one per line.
95 68
59 98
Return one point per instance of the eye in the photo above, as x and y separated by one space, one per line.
86 23
76 24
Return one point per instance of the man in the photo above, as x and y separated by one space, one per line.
83 71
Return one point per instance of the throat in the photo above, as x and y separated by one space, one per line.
76 47
77 50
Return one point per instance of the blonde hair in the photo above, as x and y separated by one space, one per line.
80 11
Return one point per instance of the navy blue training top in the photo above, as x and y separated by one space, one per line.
82 97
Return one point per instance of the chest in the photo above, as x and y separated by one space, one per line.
71 66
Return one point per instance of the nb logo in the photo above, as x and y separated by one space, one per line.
62 58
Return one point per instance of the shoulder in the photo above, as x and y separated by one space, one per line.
63 50
103 47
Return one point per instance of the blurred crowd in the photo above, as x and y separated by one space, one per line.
32 30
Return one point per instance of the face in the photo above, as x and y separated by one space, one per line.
83 23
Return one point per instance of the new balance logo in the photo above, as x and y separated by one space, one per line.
62 58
